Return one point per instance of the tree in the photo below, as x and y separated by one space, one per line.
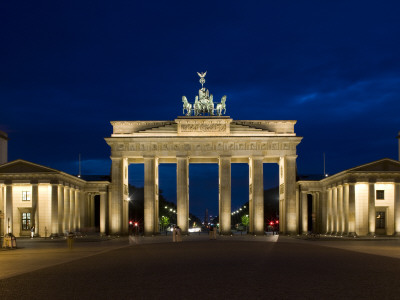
164 222
245 220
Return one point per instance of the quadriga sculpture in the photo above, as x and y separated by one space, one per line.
203 103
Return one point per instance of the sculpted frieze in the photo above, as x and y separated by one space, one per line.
203 127
277 147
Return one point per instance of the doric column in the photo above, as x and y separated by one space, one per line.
182 193
72 224
82 208
89 209
256 189
35 207
117 194
77 210
54 209
346 208
352 209
225 194
287 166
92 209
125 197
397 208
150 194
103 212
318 212
335 210
324 212
9 209
67 206
371 208
304 212
329 211
60 209
340 209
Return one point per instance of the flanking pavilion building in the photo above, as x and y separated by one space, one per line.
51 201
361 201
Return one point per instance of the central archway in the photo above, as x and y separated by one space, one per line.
218 140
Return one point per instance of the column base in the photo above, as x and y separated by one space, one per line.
371 234
352 234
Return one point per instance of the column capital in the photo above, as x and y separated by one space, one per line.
116 158
256 157
182 157
290 156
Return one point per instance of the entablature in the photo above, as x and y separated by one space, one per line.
201 146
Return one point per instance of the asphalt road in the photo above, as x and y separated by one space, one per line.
221 269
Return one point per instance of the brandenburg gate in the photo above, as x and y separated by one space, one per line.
204 137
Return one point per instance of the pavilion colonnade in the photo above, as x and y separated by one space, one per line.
350 208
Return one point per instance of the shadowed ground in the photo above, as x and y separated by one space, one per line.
203 269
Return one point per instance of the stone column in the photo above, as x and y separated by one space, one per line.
117 194
225 195
92 209
9 209
89 209
35 207
72 224
60 209
149 195
335 210
182 193
329 210
67 206
352 210
346 208
251 203
397 209
304 212
324 212
125 197
289 189
82 208
77 210
2 223
156 201
257 195
318 213
340 209
371 208
103 212
54 209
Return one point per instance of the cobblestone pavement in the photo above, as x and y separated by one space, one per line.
230 267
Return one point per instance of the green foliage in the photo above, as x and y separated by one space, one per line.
164 221
245 220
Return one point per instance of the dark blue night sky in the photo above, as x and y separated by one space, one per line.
67 68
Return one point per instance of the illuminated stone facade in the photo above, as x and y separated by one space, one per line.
52 201
357 202
205 139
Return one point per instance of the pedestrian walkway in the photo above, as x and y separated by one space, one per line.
38 253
